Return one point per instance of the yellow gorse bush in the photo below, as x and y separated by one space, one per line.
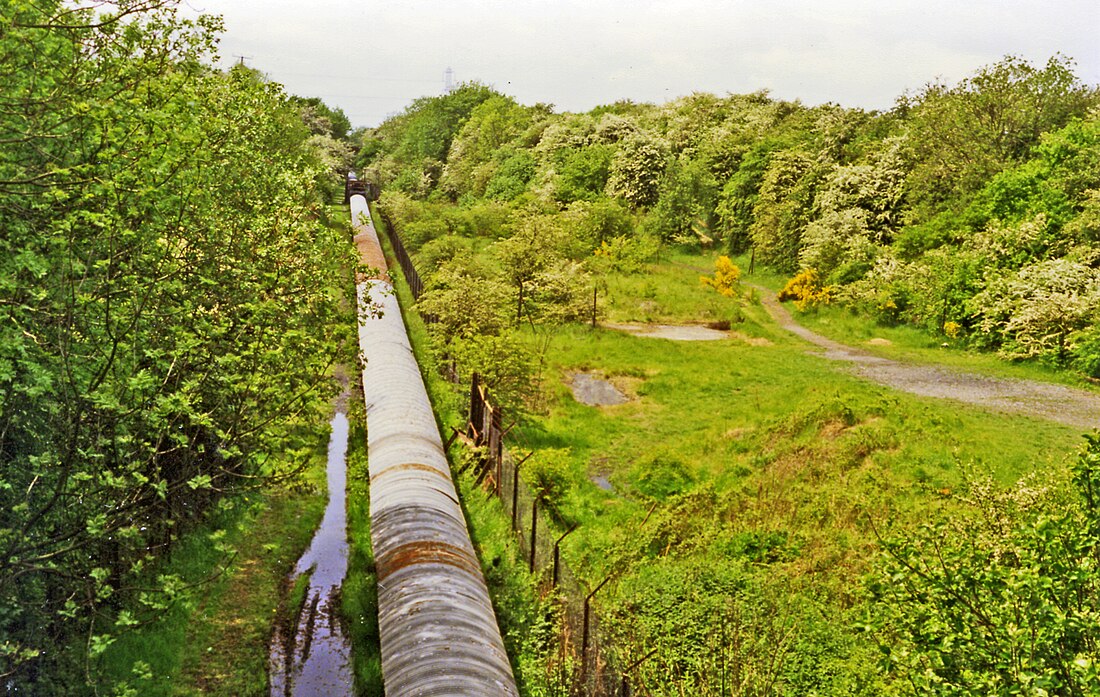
807 290
726 279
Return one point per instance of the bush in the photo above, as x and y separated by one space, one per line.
548 475
806 290
727 277
1000 599
627 254
662 475
1086 351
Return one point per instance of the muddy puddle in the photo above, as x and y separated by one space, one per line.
311 654
595 391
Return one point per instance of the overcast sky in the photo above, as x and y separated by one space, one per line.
372 58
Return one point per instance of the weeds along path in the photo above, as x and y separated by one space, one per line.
1067 405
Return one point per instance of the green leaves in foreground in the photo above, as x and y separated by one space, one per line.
1003 600
166 322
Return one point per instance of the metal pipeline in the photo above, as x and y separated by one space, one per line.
438 631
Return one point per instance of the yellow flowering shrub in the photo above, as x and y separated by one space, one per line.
807 290
726 279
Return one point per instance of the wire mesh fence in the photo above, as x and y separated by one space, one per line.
582 664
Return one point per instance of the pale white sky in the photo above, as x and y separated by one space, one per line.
372 57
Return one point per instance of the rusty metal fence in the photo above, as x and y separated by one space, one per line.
403 259
583 663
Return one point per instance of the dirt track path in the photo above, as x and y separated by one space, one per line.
1067 405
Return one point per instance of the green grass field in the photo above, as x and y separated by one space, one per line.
748 476
750 481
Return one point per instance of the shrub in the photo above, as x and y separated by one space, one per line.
1001 599
662 475
1086 351
807 290
627 254
727 277
548 475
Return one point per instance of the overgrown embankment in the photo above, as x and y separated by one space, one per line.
741 500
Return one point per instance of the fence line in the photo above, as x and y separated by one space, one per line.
583 667
403 259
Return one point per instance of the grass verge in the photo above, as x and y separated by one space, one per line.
359 597
217 644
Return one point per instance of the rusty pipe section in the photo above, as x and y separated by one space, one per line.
438 631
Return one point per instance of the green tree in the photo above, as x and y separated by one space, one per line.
163 331
582 173
636 169
782 209
964 134
470 161
1000 599
1035 311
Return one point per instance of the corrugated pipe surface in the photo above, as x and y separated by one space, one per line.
438 631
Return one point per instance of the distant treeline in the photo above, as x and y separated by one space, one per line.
972 210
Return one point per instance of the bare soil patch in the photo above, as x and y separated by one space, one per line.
595 391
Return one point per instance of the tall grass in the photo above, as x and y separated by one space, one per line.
359 595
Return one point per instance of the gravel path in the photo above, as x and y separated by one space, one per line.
1067 405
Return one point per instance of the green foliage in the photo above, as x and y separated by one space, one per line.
636 171
535 261
663 475
598 221
628 255
321 119
464 302
1035 311
506 364
782 209
1086 350
719 630
511 176
965 134
470 162
968 213
738 198
839 243
547 473
1001 599
582 173
165 329
684 210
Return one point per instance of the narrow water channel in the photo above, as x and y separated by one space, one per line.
310 654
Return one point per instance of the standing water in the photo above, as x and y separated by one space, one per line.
310 654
